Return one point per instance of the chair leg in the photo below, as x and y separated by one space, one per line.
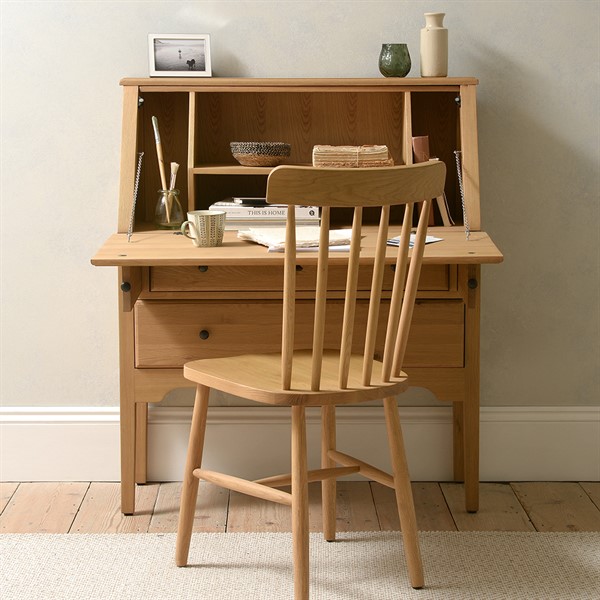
299 503
189 490
328 486
404 497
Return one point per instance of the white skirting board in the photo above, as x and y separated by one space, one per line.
82 443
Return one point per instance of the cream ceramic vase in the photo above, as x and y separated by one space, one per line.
434 46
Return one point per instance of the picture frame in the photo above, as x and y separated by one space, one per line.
179 55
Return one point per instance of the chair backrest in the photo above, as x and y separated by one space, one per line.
356 188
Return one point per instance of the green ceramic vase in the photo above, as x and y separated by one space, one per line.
394 60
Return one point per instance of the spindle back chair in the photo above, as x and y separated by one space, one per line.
322 376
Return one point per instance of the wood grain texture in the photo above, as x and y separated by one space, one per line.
241 278
210 514
357 511
190 485
403 489
499 509
432 511
436 336
341 187
470 154
128 156
100 510
42 507
301 119
247 513
561 506
244 486
7 489
162 248
592 489
244 83
127 410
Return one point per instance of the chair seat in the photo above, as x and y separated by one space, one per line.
256 377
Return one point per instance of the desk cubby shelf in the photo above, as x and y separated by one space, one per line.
199 119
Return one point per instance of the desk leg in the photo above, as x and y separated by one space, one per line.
141 442
458 441
127 456
127 403
470 412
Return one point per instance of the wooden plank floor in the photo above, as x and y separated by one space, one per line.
362 506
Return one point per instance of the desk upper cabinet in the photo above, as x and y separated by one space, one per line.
199 118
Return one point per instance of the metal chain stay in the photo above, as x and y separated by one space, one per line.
458 154
135 194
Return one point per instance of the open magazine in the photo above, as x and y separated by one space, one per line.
307 238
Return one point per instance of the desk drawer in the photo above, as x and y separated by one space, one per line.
270 278
170 333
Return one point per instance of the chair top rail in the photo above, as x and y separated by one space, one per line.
355 187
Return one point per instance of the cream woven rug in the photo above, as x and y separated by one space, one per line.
360 566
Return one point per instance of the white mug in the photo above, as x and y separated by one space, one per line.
206 227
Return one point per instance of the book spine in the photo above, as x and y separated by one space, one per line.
247 212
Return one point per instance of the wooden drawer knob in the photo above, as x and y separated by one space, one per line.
202 268
204 334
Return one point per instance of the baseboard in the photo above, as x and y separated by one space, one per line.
82 444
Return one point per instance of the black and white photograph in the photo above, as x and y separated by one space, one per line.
179 55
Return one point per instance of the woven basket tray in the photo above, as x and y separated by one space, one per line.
260 154
258 160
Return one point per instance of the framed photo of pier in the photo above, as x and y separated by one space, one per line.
179 55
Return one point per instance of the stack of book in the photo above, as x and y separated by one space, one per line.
351 156
244 213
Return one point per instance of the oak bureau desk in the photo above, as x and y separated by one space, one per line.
178 303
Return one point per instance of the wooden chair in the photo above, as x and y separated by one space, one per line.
321 376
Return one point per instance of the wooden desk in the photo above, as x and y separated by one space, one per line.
166 282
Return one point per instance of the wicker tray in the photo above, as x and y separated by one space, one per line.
260 154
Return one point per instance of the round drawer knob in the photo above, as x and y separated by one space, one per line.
472 283
126 286
204 334
202 268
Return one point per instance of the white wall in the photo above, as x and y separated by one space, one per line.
538 117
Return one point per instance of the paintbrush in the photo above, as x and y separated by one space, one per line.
174 169
161 162
159 153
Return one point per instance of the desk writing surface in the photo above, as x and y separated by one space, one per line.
165 248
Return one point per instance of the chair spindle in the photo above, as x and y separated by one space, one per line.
375 298
320 301
350 300
289 300
397 293
410 292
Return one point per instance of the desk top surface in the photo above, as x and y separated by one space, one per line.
165 248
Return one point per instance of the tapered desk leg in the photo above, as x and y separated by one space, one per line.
458 441
470 415
127 403
127 457
141 442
